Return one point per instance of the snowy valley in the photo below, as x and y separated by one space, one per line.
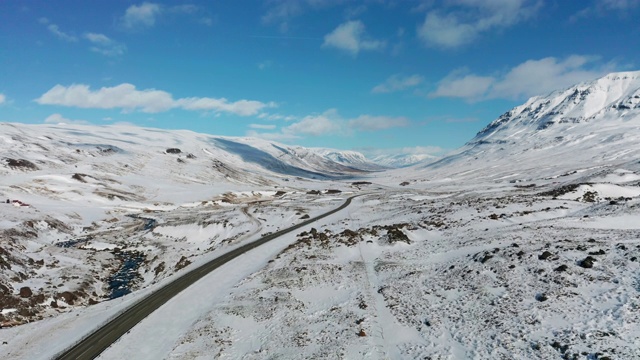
522 244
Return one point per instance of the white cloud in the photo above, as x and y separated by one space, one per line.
127 97
2 99
240 107
619 4
316 125
273 117
104 45
55 30
262 126
398 83
141 16
470 87
464 20
331 123
533 77
124 96
602 7
350 37
98 38
145 15
282 12
59 119
374 123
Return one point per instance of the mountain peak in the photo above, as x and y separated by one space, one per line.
611 97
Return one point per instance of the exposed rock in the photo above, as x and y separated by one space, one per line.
21 164
173 151
79 177
486 258
68 297
545 255
561 268
587 262
590 196
160 268
182 263
356 183
397 235
25 292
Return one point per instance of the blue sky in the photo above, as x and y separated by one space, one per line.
379 76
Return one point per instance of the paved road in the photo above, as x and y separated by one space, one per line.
94 344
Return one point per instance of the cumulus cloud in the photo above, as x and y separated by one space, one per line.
55 30
374 123
462 21
104 45
533 77
145 15
59 119
316 125
331 123
128 98
398 83
240 107
327 123
141 16
350 37
468 86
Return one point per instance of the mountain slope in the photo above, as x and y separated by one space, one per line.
613 97
180 155
586 126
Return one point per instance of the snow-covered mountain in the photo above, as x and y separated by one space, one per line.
609 102
124 150
402 160
592 123
351 158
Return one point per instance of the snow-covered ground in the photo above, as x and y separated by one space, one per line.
524 244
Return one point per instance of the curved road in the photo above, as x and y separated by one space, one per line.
94 344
